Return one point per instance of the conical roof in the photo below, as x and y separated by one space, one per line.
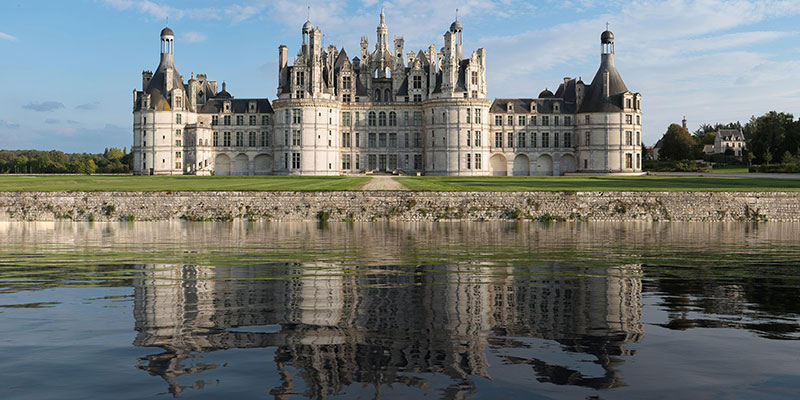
595 99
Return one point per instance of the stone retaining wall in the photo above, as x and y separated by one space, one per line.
401 206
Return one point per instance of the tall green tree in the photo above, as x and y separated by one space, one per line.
677 144
772 135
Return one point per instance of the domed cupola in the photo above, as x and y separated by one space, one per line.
308 27
546 94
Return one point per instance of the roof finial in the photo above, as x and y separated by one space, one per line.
456 15
606 25
308 14
167 20
382 16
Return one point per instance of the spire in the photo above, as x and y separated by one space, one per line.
383 17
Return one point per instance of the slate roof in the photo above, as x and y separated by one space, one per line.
594 100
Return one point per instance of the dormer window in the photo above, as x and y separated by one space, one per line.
628 103
510 107
556 107
227 106
533 107
252 107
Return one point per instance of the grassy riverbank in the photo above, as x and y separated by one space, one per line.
93 183
73 183
600 183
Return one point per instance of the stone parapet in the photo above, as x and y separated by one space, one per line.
400 206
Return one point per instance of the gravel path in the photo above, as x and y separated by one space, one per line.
383 183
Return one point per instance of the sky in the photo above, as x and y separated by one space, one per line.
69 68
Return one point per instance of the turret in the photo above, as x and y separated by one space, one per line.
383 33
167 46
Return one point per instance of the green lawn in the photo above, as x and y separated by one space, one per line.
57 183
599 183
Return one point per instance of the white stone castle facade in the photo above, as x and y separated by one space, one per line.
424 112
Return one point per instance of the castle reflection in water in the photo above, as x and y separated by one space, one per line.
388 325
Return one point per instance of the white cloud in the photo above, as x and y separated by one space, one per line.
5 36
194 37
234 12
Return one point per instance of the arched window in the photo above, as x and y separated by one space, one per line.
382 119
377 96
392 118
371 118
387 95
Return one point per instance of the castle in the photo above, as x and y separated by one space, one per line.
384 110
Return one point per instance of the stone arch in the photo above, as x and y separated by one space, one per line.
387 95
377 95
241 165
498 165
544 165
222 165
522 165
567 164
263 164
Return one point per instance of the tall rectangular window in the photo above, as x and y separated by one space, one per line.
510 120
226 120
346 118
300 78
628 119
469 161
533 139
252 139
477 161
356 121
587 119
226 139
295 137
345 161
178 119
405 139
587 138
417 118
474 77
265 120
417 162
264 139
469 139
545 139
469 117
498 120
417 139
477 115
392 140
358 139
533 120
628 138
498 139
521 142
239 139
555 121
478 138
214 120
382 139
295 160
628 160
240 120
521 120
567 139
510 139
555 139
297 116
252 120
215 139
567 120
372 140
417 82
545 120
346 139
405 118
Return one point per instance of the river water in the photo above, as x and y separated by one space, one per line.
399 310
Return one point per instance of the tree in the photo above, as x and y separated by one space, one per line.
771 135
677 144
114 154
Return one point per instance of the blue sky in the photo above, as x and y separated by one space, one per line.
69 67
